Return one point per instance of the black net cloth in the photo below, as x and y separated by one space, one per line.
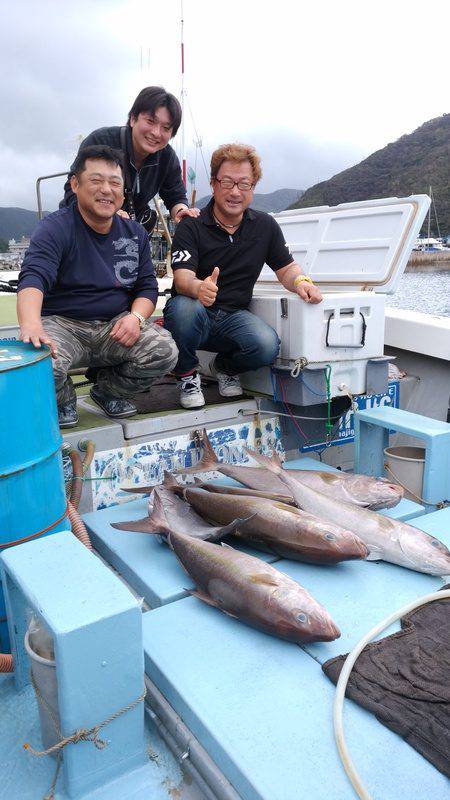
404 680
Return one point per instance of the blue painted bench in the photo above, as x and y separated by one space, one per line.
372 436
262 708
96 626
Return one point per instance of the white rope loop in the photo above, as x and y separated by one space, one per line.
341 686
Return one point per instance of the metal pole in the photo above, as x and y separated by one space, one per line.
191 749
183 148
38 190
162 220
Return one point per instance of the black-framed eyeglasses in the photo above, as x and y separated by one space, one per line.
227 183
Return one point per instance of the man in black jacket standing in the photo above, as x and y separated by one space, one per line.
150 163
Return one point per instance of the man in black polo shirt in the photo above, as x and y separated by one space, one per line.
217 258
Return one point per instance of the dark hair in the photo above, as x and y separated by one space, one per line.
153 97
96 151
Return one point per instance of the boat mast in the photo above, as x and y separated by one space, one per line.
183 149
429 215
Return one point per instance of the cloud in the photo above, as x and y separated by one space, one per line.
309 85
288 160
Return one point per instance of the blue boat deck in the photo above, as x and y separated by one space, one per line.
261 707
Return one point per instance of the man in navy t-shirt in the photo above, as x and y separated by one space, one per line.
87 289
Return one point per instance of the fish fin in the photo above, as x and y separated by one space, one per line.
139 526
265 580
375 553
203 596
224 544
215 534
199 482
284 506
271 463
169 481
137 489
227 530
208 461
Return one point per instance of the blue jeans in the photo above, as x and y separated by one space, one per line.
242 340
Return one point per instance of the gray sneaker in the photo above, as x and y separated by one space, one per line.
191 395
67 415
116 407
229 385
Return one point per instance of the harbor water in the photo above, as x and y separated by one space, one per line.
428 292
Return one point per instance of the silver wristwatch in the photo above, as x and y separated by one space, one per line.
139 317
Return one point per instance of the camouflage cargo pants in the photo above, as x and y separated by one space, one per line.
122 371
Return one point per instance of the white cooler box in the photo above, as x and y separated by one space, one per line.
356 253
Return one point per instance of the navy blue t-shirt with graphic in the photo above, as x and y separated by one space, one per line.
84 274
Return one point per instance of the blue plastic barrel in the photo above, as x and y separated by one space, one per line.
32 493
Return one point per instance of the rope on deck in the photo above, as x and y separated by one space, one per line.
80 735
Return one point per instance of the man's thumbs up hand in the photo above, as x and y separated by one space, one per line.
207 290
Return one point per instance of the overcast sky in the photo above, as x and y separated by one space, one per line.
315 87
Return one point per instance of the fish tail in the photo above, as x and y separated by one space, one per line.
172 484
157 518
208 460
271 463
169 480
136 526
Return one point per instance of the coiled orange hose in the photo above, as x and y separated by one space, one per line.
78 526
77 475
6 662
76 523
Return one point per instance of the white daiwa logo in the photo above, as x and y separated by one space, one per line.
180 255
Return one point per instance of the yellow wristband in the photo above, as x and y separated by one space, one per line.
302 278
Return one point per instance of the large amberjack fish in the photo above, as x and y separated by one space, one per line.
387 539
237 491
169 513
362 490
277 527
245 587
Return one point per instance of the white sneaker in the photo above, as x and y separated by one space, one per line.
191 395
229 385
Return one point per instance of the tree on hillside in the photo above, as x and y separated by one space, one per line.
4 246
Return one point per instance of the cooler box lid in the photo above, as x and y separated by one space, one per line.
353 246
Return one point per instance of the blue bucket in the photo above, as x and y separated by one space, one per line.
32 493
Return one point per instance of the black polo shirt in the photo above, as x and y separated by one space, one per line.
200 244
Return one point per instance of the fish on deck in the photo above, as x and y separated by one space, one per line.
361 490
241 585
178 516
387 539
276 527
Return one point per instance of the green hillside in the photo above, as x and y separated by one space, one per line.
410 165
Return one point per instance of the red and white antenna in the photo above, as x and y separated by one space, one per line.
183 148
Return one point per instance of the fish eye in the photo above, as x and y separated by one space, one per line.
436 543
302 617
330 536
